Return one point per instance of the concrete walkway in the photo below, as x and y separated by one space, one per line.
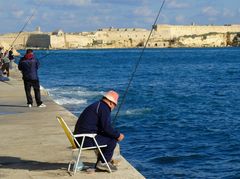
33 145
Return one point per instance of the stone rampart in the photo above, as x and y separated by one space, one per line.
11 38
38 40
78 41
57 42
175 31
162 36
212 40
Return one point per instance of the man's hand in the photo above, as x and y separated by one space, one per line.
120 138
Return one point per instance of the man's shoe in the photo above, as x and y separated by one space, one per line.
29 105
42 106
104 167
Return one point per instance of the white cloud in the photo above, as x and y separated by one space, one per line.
142 11
66 16
18 13
164 18
228 13
180 19
148 20
212 19
95 20
176 4
210 11
68 2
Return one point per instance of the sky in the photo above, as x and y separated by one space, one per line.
90 15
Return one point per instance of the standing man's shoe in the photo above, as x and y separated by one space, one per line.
29 105
42 106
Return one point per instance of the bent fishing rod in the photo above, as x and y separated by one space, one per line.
24 26
137 64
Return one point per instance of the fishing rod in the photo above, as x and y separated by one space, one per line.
41 57
137 64
24 26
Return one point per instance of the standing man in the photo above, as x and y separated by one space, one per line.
28 65
96 119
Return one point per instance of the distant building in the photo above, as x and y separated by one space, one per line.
58 32
163 36
38 29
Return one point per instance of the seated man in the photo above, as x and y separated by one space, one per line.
96 119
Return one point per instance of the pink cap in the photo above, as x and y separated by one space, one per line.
112 96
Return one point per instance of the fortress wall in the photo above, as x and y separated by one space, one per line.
77 41
135 35
122 38
174 31
38 40
18 43
57 41
157 44
215 40
162 36
163 31
118 35
121 29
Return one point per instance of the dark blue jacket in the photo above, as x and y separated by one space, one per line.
96 118
29 67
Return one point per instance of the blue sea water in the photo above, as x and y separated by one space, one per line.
181 116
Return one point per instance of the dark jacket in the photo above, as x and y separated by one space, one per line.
96 118
28 65
10 55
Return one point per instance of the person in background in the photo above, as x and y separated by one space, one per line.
29 65
11 58
1 63
6 63
96 118
2 50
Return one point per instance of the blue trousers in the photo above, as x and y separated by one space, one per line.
102 140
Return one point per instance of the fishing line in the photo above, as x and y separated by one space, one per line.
44 56
137 64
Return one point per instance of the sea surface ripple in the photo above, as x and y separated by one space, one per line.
181 116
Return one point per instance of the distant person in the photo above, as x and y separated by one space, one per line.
1 63
29 65
2 50
96 119
11 58
6 64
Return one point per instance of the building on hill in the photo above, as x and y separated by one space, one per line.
58 32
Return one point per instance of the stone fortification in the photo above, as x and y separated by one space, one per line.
175 31
20 42
115 38
163 36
